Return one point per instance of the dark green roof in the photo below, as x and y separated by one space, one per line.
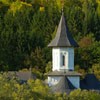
63 38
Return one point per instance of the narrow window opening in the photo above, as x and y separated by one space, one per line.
63 60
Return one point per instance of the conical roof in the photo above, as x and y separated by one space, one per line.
64 85
63 38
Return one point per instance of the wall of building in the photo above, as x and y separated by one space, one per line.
57 60
75 80
53 80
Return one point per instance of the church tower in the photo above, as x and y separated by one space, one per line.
63 56
63 48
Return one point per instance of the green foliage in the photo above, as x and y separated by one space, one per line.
96 70
38 74
80 70
88 51
84 95
17 5
36 59
12 90
28 26
48 67
37 90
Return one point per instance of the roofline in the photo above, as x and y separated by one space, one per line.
50 46
63 46
62 75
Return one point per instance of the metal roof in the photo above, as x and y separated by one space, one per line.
64 85
61 73
90 82
21 75
63 37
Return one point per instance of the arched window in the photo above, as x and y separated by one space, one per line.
63 60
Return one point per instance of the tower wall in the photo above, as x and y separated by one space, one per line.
56 59
63 58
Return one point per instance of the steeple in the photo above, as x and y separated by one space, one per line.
63 37
63 60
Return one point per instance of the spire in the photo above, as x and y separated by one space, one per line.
62 10
63 38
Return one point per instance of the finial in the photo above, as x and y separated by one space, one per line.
62 2
62 10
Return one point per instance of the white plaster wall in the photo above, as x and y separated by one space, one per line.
53 80
69 56
75 80
57 58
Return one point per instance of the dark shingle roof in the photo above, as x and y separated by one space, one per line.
64 85
21 75
61 73
63 38
90 82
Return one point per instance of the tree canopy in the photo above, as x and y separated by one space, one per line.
27 26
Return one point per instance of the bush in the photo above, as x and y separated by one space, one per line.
10 89
96 70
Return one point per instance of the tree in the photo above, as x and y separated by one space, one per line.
36 60
84 52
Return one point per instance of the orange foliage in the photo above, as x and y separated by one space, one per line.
86 41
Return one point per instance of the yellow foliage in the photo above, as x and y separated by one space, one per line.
14 94
16 6
75 92
17 86
36 90
30 82
27 4
60 3
41 9
96 70
98 1
98 9
5 2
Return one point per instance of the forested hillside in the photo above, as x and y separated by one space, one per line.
27 26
